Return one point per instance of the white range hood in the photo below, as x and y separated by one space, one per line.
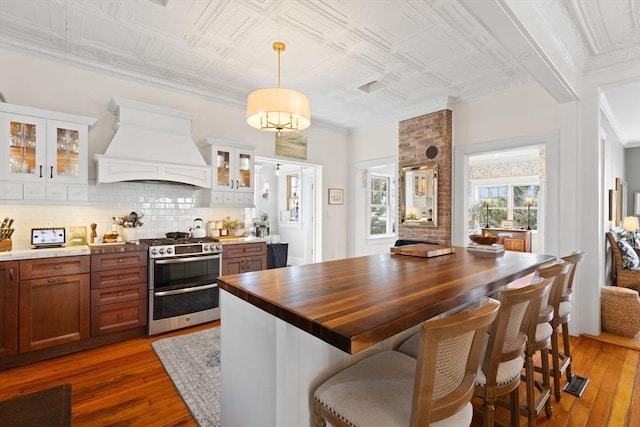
152 143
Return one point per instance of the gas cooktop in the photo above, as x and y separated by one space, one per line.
164 241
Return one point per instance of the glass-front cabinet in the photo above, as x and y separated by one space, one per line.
232 172
39 146
45 150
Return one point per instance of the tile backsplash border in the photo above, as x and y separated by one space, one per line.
167 207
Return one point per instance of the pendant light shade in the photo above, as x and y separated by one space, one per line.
277 109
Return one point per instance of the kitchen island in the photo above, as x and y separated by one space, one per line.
285 331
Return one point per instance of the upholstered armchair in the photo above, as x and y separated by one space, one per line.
625 276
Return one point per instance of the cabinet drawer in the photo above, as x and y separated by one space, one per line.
118 294
249 249
53 267
118 317
125 276
118 260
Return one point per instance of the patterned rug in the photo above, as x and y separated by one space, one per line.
193 363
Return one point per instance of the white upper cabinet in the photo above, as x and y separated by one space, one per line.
232 177
39 146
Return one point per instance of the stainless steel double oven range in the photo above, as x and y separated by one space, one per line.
182 282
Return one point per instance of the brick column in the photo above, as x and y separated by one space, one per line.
415 135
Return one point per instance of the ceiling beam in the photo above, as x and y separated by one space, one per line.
530 43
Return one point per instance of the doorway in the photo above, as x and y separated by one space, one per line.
499 162
286 198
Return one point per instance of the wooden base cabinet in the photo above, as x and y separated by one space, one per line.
512 239
118 292
244 257
8 308
54 302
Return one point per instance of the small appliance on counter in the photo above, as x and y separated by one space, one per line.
51 237
198 231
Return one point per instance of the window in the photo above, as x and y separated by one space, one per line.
381 205
293 197
506 202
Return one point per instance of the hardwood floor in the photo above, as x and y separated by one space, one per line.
125 384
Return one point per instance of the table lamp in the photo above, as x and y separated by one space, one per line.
486 203
528 202
630 224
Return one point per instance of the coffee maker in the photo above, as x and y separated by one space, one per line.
262 230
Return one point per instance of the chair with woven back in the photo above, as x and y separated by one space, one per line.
499 373
627 277
562 313
539 339
393 389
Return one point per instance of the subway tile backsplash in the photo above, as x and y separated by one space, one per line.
167 207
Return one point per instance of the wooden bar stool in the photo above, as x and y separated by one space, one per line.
392 389
499 373
539 336
562 314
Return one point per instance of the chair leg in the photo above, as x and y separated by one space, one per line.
514 405
488 409
530 409
320 422
567 349
546 381
555 357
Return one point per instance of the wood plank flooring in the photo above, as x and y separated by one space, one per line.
125 384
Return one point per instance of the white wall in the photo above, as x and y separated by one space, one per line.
48 84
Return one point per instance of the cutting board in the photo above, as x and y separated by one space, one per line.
422 250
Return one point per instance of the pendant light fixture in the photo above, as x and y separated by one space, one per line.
276 109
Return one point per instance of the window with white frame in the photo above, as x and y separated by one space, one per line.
381 205
493 203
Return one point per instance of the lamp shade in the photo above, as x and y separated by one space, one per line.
278 110
630 223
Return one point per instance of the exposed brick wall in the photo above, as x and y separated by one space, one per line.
415 136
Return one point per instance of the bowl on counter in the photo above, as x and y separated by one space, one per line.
111 238
483 240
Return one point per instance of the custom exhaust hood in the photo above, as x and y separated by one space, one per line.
151 143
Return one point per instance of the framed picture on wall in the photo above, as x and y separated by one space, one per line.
335 196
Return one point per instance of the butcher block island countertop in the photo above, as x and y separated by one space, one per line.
355 303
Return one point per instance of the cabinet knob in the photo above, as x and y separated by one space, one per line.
120 277
57 267
120 316
120 260
120 293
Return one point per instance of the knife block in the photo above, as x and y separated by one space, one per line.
5 245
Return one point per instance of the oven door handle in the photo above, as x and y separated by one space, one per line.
191 259
185 290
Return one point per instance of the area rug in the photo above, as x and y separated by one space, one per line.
193 363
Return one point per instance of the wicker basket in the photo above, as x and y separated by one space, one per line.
620 310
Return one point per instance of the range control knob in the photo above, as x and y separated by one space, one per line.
161 251
169 250
154 252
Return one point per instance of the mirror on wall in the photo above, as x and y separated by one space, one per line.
621 202
419 195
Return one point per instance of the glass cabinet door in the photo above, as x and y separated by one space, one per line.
222 176
66 152
26 147
244 170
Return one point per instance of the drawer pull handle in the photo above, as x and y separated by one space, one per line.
54 280
57 267
11 274
120 293
119 316
120 277
120 260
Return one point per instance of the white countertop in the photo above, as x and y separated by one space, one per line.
18 254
